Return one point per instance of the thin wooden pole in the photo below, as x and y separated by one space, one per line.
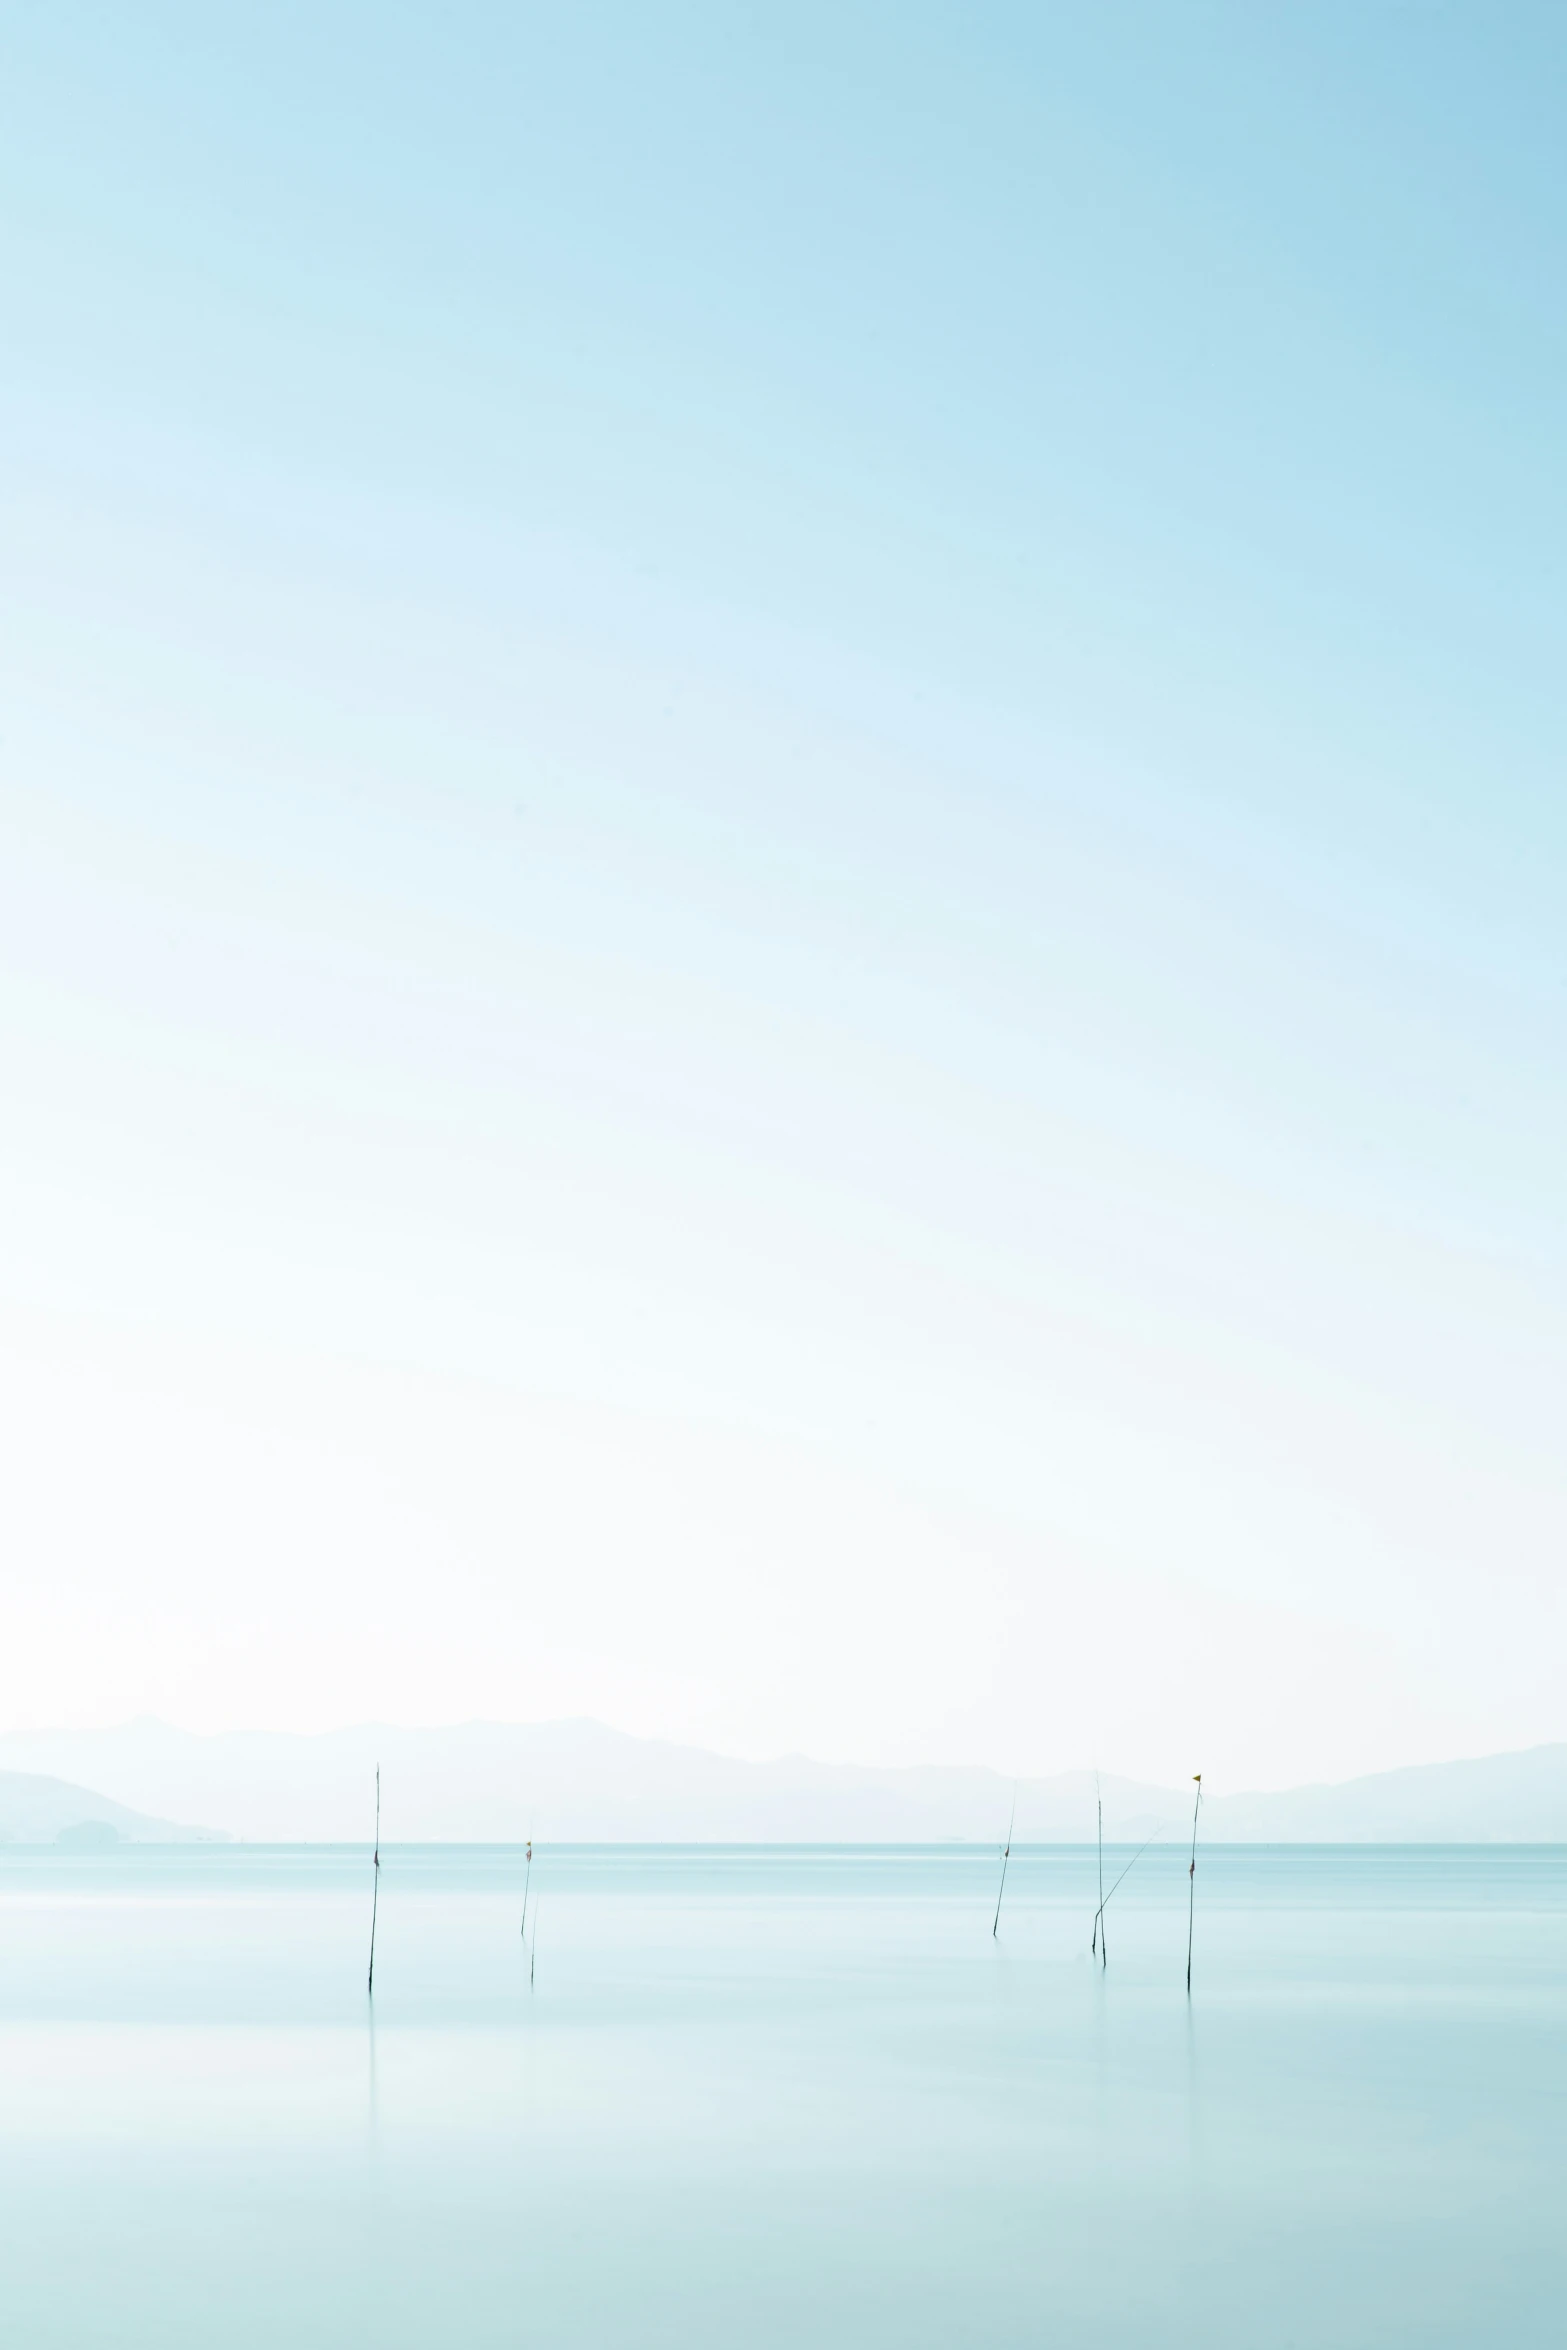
1121 1879
527 1873
1005 1857
1191 1884
375 1896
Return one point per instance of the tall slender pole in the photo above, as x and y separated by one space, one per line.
1099 1922
526 1874
1191 1884
1005 1857
375 1896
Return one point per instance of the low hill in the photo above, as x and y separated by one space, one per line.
36 1809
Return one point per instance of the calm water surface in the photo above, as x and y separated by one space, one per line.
782 2097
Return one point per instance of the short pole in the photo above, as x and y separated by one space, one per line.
375 1895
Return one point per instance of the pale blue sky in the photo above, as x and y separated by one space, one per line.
813 772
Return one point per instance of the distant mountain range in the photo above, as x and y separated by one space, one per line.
577 1781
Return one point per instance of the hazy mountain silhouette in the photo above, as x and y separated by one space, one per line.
574 1780
36 1809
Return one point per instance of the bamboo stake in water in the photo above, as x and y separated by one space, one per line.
1006 1855
1120 1881
527 1873
375 1896
1191 1876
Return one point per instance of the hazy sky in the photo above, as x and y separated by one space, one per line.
783 894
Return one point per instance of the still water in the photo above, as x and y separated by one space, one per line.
797 2097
